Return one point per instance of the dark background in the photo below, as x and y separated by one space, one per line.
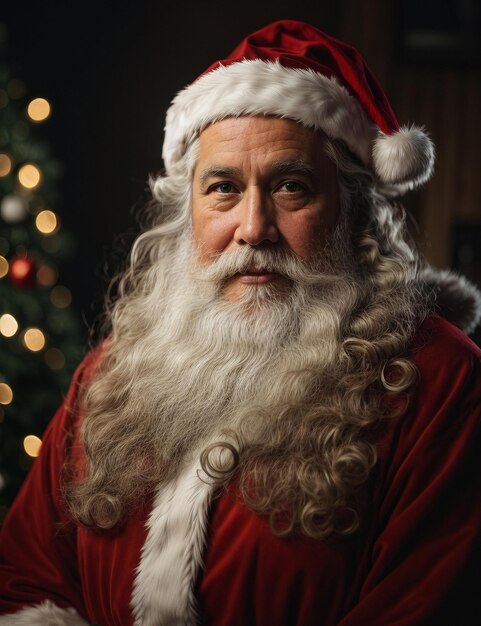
111 70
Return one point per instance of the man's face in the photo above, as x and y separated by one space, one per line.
262 182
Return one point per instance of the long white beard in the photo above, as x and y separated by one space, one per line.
205 359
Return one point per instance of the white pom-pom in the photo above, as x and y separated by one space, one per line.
406 157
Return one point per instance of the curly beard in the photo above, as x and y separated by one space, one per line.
184 363
205 356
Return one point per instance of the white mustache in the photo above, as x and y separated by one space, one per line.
277 261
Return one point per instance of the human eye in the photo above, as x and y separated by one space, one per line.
292 187
292 194
223 187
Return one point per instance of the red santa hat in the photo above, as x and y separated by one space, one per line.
290 69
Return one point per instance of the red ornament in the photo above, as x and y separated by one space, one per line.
23 273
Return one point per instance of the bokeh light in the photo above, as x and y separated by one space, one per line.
61 297
47 222
23 273
38 109
6 394
8 325
32 445
5 164
3 266
29 176
34 339
47 275
54 358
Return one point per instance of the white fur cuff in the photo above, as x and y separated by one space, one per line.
44 614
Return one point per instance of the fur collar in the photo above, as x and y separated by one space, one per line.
455 297
172 555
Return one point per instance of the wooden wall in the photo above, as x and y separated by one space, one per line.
447 101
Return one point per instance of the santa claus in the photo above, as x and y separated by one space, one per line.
280 428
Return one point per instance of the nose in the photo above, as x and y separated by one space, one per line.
257 223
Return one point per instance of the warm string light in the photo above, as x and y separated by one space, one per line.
32 445
5 164
47 222
8 325
6 394
29 176
3 266
34 339
38 109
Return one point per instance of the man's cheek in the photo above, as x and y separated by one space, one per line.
214 234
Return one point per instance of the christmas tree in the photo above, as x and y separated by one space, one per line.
41 337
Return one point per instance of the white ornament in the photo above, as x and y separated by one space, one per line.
13 209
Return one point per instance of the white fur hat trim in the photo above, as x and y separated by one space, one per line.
401 160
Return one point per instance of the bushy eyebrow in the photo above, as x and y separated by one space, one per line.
297 166
218 171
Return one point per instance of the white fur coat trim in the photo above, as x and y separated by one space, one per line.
253 87
163 590
44 614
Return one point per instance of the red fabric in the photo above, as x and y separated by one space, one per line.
415 561
299 45
44 556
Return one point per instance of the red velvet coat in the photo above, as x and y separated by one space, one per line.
415 560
